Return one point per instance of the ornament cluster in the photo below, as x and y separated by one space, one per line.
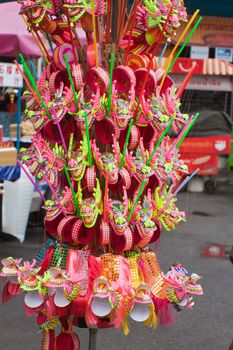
100 144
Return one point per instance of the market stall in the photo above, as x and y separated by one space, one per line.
214 76
14 38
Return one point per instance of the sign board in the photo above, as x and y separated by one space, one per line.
205 82
217 145
214 250
201 52
207 164
184 65
10 76
202 152
224 54
211 32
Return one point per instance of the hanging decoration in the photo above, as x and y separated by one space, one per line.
101 112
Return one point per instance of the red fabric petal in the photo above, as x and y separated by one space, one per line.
104 131
64 341
13 289
51 132
5 294
46 261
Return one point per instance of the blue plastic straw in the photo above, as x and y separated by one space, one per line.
162 53
188 178
50 44
34 70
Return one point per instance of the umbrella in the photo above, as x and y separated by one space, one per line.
14 37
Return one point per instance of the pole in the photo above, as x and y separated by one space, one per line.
114 20
18 119
92 338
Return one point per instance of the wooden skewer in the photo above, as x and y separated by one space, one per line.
100 29
115 20
122 20
44 48
94 32
106 198
36 41
120 15
108 26
71 37
41 44
131 28
127 24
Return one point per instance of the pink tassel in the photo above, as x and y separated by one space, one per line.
124 279
120 314
164 312
64 341
13 289
79 306
94 272
29 311
123 286
50 308
62 311
90 318
72 263
51 340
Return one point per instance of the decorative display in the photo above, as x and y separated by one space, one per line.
101 118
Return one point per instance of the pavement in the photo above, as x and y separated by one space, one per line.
209 326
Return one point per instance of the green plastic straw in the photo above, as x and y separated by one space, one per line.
70 144
72 190
112 59
71 80
187 131
32 80
126 143
160 140
184 44
88 140
143 184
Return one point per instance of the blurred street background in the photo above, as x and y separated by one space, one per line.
208 326
202 244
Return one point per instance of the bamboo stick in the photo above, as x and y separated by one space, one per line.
94 32
36 41
131 29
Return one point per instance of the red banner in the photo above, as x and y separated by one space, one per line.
206 145
208 164
7 144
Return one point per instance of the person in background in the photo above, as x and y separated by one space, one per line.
8 109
